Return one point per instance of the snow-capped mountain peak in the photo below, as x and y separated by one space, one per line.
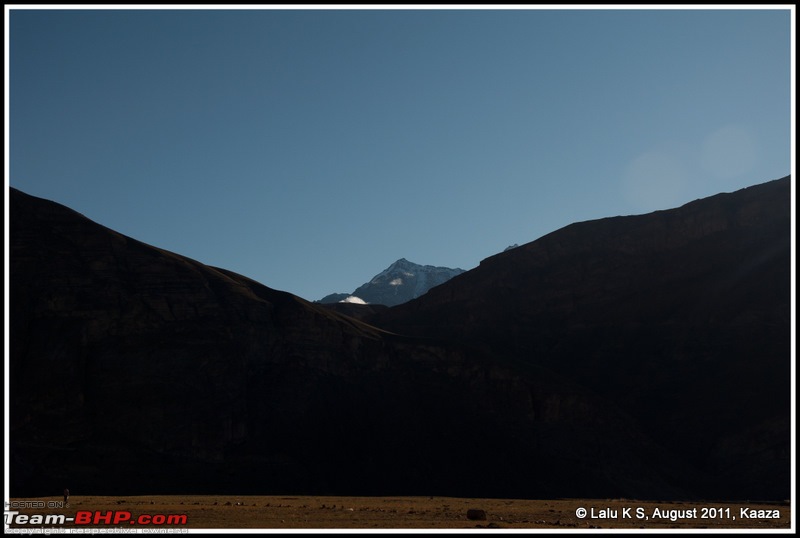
400 282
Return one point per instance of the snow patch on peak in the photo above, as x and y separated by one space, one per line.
397 282
353 299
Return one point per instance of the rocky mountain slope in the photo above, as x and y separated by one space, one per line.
400 282
138 371
639 357
681 318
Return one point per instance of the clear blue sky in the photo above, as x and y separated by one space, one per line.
309 149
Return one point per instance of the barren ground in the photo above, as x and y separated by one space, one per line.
305 512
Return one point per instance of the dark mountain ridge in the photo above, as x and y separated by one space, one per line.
135 370
679 317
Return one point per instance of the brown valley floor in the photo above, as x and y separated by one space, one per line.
307 512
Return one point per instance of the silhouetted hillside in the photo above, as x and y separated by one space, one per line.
681 318
641 357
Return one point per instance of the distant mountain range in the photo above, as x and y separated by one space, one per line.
401 282
640 357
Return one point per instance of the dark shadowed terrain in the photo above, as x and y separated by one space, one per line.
633 357
680 318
